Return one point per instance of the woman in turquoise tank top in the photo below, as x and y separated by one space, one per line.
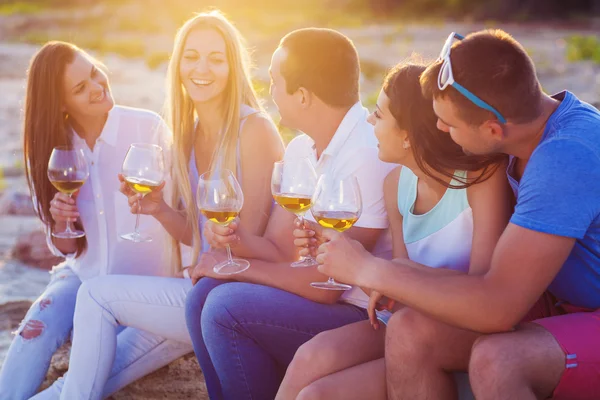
446 210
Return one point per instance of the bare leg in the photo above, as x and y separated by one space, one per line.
364 381
421 353
330 352
525 364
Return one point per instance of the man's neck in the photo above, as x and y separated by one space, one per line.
88 128
323 125
527 136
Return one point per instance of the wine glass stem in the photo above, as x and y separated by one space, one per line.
69 229
229 257
308 257
137 217
331 280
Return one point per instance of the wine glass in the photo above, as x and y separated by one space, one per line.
336 205
67 171
220 200
292 185
144 170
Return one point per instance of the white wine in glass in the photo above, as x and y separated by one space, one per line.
292 185
220 199
144 171
67 171
337 204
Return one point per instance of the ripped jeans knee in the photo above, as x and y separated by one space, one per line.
32 328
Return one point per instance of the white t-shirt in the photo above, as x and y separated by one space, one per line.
104 211
353 151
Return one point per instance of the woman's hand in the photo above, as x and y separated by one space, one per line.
308 237
219 236
378 302
63 209
205 266
149 204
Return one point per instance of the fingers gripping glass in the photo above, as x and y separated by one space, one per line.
220 200
292 185
446 78
144 171
337 204
67 171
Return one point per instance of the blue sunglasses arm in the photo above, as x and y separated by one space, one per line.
477 101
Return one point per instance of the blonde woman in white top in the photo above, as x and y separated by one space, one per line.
216 121
69 102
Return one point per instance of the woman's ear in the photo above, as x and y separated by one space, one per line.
405 140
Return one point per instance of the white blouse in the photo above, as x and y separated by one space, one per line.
104 211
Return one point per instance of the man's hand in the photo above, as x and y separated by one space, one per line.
342 258
378 302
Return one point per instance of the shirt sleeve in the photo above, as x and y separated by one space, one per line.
370 172
560 190
53 249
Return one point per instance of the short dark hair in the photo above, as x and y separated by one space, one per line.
496 68
432 149
324 62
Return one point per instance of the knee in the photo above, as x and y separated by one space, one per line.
410 333
196 297
488 363
314 355
32 329
314 391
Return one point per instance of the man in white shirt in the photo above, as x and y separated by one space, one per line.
245 333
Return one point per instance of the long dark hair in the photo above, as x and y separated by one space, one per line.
46 124
433 149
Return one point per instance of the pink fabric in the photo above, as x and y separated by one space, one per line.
577 331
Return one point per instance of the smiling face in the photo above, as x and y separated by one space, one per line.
86 89
203 68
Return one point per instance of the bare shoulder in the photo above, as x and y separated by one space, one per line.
393 177
260 134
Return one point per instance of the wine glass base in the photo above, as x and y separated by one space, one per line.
330 286
305 262
68 235
136 237
231 267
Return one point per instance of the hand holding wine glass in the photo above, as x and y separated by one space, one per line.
220 199
146 204
67 171
143 170
292 185
337 205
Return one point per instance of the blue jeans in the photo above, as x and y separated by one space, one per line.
245 335
44 329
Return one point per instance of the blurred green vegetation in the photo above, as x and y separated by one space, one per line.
580 47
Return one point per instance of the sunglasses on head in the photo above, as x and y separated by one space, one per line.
446 78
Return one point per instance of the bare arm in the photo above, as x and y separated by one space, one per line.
523 265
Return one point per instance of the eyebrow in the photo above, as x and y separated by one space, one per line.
210 54
83 81
443 122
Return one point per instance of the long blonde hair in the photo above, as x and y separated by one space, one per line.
180 115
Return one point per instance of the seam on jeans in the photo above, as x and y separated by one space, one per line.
236 351
99 341
138 358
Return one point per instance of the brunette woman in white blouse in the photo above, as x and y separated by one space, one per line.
217 123
69 102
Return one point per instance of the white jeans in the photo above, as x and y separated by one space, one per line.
154 306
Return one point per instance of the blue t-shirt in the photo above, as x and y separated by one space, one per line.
559 194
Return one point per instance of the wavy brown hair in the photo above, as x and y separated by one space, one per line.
46 124
433 150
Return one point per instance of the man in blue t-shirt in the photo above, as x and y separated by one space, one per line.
538 308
